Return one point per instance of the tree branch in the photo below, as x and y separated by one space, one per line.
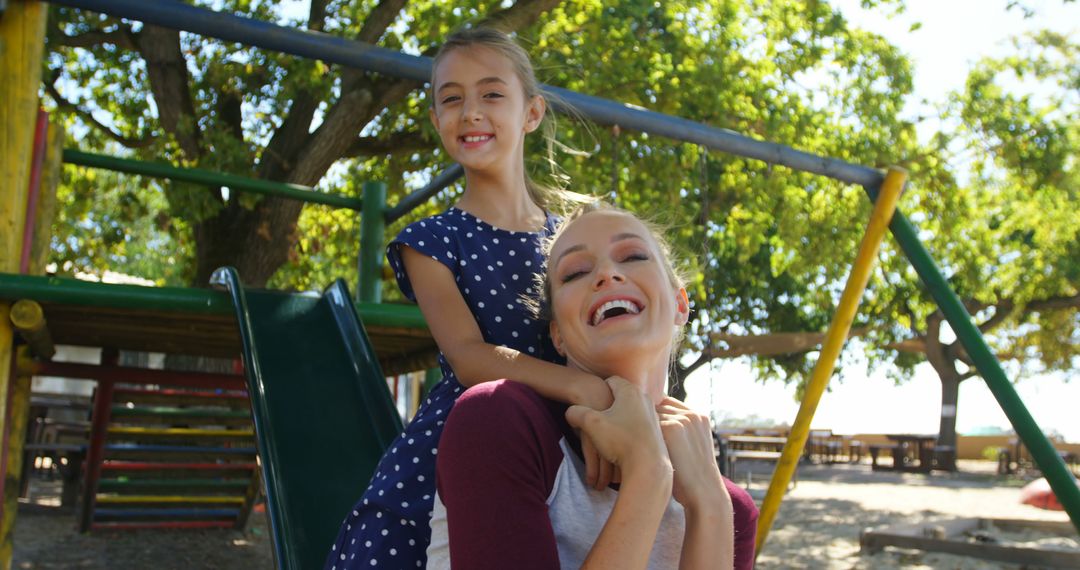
170 84
774 344
121 37
396 143
88 117
701 360
521 14
317 15
379 20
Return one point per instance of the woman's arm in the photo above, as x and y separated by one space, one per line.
709 541
498 460
628 435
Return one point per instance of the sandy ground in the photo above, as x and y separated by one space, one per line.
818 525
820 520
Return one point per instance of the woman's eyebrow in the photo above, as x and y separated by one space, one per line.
625 235
568 251
580 247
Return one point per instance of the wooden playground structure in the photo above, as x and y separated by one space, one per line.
155 433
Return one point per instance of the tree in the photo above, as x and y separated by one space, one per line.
766 240
1007 235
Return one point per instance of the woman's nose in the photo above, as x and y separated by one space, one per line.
606 275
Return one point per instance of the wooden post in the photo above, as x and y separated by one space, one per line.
22 42
18 416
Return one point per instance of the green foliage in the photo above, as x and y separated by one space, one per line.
769 248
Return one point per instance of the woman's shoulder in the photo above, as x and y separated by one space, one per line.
505 408
501 395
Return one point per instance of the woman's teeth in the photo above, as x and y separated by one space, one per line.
616 308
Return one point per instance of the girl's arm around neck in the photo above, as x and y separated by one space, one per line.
474 361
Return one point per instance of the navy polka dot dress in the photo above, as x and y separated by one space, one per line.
389 526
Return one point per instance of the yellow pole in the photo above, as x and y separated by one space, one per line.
12 479
830 351
22 42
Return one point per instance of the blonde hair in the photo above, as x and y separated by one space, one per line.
550 197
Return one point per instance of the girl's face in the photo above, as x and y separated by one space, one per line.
614 307
480 108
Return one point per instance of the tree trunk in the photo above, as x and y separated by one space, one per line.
256 242
950 392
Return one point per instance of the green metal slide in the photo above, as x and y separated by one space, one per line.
323 412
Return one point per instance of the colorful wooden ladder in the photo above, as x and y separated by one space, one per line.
171 458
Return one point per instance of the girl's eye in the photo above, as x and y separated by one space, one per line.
493 95
450 99
636 256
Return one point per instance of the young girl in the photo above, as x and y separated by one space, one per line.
468 269
511 485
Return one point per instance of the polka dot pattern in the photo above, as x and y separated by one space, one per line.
403 486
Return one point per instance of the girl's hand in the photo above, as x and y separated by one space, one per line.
626 434
688 437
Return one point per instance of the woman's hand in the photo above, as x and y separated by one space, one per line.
709 538
688 437
627 434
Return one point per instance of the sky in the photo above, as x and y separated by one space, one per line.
954 34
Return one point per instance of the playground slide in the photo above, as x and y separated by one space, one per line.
323 412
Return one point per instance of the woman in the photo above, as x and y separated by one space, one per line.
511 486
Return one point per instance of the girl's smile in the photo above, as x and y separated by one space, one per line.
481 111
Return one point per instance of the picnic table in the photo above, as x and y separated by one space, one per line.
910 452
752 447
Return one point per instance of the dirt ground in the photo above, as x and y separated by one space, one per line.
818 526
47 538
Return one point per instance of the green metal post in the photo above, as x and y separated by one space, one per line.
372 224
1042 451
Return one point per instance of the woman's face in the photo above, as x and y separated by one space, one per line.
613 305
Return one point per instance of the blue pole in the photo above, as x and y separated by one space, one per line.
316 45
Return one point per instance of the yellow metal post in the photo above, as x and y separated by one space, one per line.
830 351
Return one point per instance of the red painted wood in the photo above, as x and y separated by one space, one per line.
140 466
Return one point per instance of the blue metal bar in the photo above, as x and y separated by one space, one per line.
437 184
315 45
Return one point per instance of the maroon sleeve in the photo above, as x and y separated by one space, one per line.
496 466
746 515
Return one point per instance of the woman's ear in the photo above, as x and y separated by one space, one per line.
534 113
682 307
556 338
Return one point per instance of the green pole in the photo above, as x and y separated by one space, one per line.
210 178
1042 451
372 224
64 291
